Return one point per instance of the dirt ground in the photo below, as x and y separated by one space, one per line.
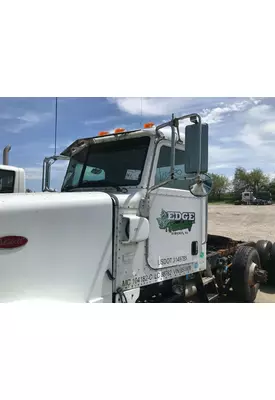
245 223
242 222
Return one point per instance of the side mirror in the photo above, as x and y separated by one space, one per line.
46 173
193 156
202 186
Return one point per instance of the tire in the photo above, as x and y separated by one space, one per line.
271 266
242 260
264 248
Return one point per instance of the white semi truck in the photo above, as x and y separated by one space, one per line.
261 198
129 225
12 179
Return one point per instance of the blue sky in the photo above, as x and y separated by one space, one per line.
242 130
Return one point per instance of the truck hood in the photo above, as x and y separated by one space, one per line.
42 197
68 250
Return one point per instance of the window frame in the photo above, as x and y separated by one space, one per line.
140 181
12 173
162 144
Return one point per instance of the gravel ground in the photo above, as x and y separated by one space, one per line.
242 222
245 223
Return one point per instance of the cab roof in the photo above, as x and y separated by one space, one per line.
80 144
10 168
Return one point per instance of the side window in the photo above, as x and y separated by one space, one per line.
73 173
163 168
7 181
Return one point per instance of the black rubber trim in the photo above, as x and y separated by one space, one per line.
115 207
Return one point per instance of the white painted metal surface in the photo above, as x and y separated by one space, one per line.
69 247
138 264
75 237
175 222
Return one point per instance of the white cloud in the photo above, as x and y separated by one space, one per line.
33 173
255 132
259 130
268 127
151 106
252 123
156 107
60 145
27 120
223 157
260 112
217 114
100 120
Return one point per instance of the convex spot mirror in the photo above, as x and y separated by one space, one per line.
202 186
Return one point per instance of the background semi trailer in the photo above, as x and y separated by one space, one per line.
130 225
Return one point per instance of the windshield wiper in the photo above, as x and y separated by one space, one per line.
94 185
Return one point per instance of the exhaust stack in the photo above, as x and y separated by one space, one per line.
6 154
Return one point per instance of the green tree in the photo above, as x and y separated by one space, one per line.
272 188
258 180
240 180
220 185
253 181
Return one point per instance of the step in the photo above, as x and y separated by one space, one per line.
212 297
208 279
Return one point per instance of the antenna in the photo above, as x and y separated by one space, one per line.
141 112
55 127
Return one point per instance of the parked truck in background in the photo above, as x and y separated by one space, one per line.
129 225
12 179
261 198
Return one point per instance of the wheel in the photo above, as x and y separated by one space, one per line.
264 248
246 274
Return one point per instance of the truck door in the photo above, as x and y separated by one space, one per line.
176 216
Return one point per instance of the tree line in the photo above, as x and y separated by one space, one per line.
224 189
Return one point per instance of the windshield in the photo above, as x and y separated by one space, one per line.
115 163
6 181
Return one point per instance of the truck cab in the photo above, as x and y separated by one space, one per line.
129 225
12 179
160 235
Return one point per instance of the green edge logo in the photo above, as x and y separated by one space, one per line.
173 221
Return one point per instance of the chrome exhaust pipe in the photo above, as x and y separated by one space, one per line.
6 154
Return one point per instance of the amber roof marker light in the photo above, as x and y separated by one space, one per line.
148 125
103 133
119 130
